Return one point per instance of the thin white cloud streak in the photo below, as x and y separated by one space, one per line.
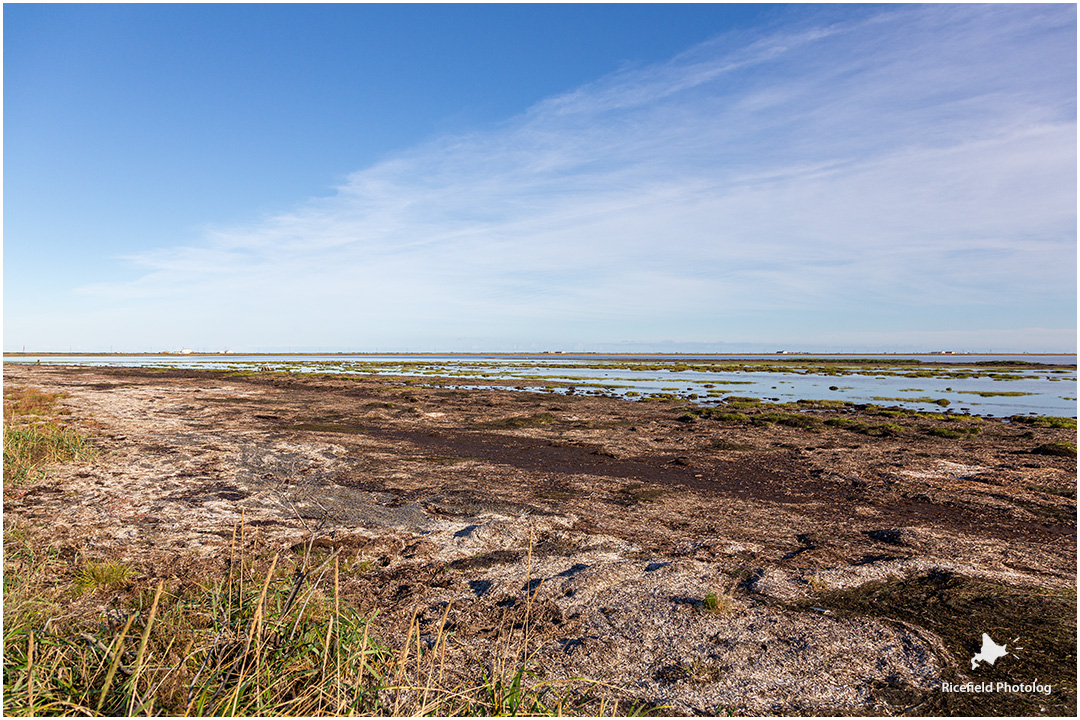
922 159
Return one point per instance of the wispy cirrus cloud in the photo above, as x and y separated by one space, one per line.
908 173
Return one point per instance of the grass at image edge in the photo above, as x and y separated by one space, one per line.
267 639
29 449
264 640
32 441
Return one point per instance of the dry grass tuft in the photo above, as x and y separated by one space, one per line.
265 640
35 438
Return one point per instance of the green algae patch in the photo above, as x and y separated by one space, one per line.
731 417
881 430
326 427
633 493
1051 421
863 428
735 400
987 393
953 433
1062 448
943 402
1036 625
822 404
522 421
806 422
441 459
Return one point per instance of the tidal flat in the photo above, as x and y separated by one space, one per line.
1001 386
744 557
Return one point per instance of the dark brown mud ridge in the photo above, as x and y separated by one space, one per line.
771 476
858 553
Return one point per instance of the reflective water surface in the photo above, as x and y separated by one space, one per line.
998 385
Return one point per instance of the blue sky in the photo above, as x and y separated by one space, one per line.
486 178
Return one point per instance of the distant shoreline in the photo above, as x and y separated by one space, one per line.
530 354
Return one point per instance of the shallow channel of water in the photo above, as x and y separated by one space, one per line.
984 385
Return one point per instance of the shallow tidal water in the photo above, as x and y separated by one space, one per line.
997 385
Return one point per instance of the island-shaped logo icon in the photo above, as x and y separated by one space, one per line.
990 652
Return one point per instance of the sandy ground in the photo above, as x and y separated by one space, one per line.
619 516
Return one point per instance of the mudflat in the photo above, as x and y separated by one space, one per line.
818 559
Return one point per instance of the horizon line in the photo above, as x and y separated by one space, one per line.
220 353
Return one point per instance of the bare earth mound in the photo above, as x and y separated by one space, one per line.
702 562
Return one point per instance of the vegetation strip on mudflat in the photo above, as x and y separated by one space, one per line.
291 544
